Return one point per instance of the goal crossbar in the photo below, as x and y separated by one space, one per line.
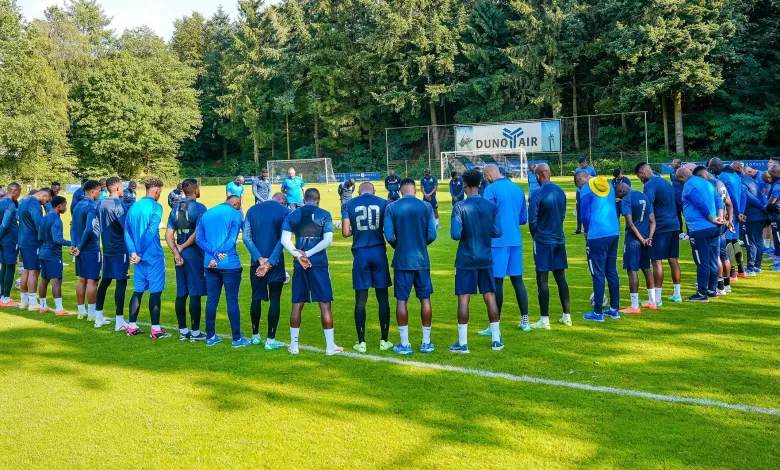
312 170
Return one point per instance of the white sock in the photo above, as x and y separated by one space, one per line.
98 316
196 332
120 320
6 299
403 331
767 242
133 325
156 328
43 303
426 334
24 297
546 321
463 334
651 295
567 317
330 343
676 291
32 298
495 331
91 310
437 221
58 305
659 293
634 300
294 337
82 310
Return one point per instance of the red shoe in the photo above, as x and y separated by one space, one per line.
63 313
742 275
44 310
649 305
10 303
632 311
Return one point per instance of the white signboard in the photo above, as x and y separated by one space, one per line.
533 137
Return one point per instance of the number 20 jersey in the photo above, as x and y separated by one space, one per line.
366 214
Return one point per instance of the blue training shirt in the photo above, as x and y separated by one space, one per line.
774 193
678 189
234 189
429 184
533 184
193 210
546 213
733 184
9 224
84 230
588 169
30 215
755 201
142 229
475 223
366 215
293 188
510 200
111 213
309 224
263 231
51 237
456 188
78 195
392 185
638 206
599 218
217 233
698 203
410 228
661 195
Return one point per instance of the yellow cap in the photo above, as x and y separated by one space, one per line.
599 185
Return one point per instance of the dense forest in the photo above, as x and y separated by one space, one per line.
306 78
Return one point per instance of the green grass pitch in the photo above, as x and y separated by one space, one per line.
74 397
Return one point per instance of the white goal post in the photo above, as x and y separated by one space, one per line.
512 162
312 170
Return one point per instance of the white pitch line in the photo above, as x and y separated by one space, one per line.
538 380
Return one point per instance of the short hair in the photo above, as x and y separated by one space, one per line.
112 181
407 182
775 159
132 183
153 183
311 195
231 197
55 183
57 200
14 186
188 185
472 178
616 172
699 170
46 190
264 170
454 174
639 166
91 185
84 181
102 181
581 160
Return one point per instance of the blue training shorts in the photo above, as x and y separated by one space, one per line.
550 257
51 268
468 280
722 244
666 245
30 259
370 268
116 267
190 279
10 254
311 285
393 196
149 276
260 284
507 261
636 256
420 279
88 265
433 202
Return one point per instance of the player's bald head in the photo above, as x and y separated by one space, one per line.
366 187
234 202
683 174
580 178
281 198
621 190
542 172
676 163
491 172
715 165
737 166
690 166
750 171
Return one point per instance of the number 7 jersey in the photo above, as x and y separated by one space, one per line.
366 214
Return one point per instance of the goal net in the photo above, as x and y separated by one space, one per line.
513 163
312 170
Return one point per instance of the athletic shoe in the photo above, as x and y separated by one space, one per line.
185 336
271 344
612 313
649 305
257 340
133 331
199 337
659 303
10 303
564 322
458 348
63 313
240 343
403 350
540 325
736 278
578 232
632 311
485 332
497 345
728 289
159 334
427 348
385 345
120 327
593 316
23 305
213 340
81 316
523 327
438 226
334 351
360 347
34 308
685 237
697 297
675 299
720 292
293 350
101 324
